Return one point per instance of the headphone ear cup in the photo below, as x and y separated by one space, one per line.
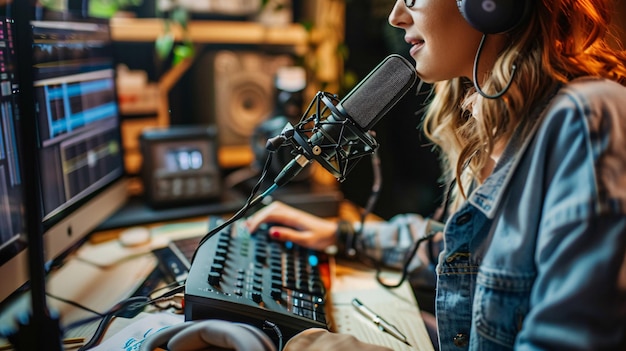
212 334
161 337
494 16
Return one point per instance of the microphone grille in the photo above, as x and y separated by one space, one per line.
379 91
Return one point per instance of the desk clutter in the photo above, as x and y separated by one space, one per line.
237 277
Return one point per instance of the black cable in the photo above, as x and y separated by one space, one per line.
405 266
369 206
376 186
75 304
167 294
179 284
250 202
441 213
475 74
267 325
128 308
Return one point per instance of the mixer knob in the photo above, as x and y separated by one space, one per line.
214 278
276 264
276 293
256 297
219 260
221 253
317 288
216 267
261 257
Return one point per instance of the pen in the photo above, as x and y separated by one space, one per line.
379 321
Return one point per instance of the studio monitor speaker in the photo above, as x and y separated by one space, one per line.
241 93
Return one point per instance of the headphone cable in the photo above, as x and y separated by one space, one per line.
475 74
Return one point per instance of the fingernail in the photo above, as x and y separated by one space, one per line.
274 234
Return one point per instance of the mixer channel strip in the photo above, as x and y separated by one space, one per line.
246 277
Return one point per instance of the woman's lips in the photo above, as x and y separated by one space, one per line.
416 46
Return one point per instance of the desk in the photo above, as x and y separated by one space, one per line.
84 275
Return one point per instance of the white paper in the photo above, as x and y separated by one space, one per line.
129 337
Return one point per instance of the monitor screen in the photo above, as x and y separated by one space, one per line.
76 120
78 125
77 112
12 221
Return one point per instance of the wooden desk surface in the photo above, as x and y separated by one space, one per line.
76 281
347 210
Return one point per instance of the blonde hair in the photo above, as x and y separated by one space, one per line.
562 40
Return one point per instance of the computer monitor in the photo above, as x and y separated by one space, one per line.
77 123
13 269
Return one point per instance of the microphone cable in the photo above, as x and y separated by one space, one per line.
250 202
376 185
440 213
371 202
405 266
475 74
373 198
128 308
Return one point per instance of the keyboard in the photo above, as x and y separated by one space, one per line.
247 277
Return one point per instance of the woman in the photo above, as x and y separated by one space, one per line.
532 132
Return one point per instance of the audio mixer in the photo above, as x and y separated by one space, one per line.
247 277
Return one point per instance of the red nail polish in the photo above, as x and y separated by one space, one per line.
274 234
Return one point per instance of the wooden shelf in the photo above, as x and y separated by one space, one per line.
319 44
210 32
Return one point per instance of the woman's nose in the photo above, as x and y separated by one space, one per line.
399 16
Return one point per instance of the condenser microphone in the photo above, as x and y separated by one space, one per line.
336 133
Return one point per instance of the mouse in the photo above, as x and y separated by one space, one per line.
134 236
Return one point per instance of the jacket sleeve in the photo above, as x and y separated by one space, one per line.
389 242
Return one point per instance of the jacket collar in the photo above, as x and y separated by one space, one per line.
487 196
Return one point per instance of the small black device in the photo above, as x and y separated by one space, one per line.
172 264
494 16
180 165
246 277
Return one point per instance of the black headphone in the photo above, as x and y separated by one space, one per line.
494 16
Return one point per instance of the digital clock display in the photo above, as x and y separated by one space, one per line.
183 159
180 166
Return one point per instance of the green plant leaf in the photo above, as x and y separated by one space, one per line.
180 16
164 44
182 52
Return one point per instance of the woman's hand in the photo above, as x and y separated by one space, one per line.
297 226
317 339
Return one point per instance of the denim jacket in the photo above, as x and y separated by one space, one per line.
535 259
